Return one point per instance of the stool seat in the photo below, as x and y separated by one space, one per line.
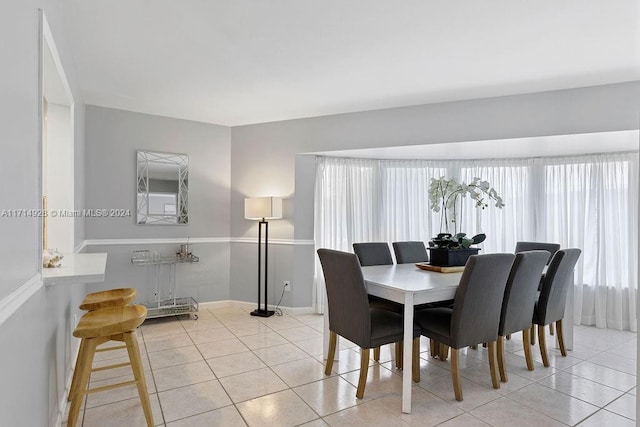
108 298
110 321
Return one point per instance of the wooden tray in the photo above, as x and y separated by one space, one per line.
439 269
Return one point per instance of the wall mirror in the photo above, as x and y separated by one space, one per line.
162 188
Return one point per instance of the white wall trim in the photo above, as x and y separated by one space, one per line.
12 302
80 247
163 241
154 241
293 242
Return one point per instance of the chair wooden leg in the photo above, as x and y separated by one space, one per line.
74 381
551 328
501 362
138 373
543 346
376 354
443 351
333 337
455 375
492 364
563 349
415 364
433 348
364 368
399 354
84 364
533 334
527 348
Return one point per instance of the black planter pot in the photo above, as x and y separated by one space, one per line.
445 257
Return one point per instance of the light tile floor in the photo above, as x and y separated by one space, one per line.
231 369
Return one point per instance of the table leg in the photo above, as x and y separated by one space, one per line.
407 359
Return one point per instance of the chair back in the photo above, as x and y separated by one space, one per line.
410 252
373 253
476 308
521 291
552 248
349 314
555 286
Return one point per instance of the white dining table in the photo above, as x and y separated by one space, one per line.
408 285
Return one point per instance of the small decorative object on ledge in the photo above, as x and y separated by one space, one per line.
445 197
51 258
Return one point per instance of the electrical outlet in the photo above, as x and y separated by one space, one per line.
287 286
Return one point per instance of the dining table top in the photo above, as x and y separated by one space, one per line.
409 278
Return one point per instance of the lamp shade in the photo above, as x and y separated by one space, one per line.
263 208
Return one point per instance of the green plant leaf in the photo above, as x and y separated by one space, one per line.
466 243
479 238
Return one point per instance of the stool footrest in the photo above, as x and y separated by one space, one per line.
118 347
117 365
110 387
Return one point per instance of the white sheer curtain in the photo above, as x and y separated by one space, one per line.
346 209
405 213
503 227
589 202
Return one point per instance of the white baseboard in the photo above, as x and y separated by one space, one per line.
251 305
62 405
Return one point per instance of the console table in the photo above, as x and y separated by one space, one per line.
171 305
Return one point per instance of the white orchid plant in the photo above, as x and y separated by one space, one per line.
445 197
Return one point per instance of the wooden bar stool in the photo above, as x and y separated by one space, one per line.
95 301
108 298
98 327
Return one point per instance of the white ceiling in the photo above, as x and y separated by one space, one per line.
237 62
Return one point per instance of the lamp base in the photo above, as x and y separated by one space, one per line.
260 312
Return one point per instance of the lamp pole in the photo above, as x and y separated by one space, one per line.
263 312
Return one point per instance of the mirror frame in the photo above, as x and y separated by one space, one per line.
143 160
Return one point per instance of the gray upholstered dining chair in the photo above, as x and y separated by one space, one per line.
378 253
351 316
518 303
373 253
553 296
475 315
552 248
410 252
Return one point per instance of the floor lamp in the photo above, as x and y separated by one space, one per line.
262 209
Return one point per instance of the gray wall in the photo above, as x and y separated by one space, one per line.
36 339
267 159
113 137
207 280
